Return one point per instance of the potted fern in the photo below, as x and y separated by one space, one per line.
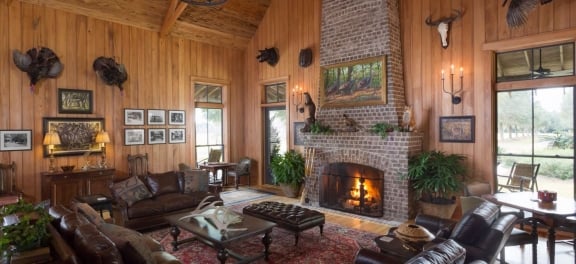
26 230
288 171
436 176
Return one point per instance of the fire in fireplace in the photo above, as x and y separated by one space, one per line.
352 188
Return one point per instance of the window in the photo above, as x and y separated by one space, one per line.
209 119
275 124
536 126
275 93
535 63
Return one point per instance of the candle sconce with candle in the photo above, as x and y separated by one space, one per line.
455 99
297 99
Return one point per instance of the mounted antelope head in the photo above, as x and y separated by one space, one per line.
443 25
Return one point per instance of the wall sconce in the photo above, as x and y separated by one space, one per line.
297 98
51 139
455 99
102 138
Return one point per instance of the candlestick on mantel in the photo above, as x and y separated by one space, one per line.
442 74
461 72
452 69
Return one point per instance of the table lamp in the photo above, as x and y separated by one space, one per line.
102 138
51 139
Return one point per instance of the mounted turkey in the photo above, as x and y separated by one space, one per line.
38 63
110 72
518 10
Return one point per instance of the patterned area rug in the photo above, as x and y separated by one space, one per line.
338 244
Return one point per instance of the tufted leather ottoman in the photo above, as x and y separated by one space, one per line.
288 216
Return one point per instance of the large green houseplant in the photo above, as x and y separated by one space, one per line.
29 232
288 171
436 176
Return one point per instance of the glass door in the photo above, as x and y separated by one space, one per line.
275 136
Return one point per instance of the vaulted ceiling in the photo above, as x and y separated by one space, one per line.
232 24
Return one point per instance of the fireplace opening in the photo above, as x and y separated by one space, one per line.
352 188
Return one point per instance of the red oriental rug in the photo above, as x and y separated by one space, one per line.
338 244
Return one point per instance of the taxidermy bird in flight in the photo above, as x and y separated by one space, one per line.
518 10
110 72
38 63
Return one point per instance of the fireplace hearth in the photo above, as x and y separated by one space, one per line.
352 188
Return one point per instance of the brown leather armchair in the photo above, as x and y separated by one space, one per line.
445 252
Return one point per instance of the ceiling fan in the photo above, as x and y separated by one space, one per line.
540 72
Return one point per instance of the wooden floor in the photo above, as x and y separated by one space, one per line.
514 255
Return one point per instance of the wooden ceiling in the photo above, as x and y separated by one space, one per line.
232 24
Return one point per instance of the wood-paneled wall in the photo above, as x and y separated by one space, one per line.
160 71
473 38
289 26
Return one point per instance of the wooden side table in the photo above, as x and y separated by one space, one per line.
99 202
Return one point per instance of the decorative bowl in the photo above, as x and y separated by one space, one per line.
67 168
413 233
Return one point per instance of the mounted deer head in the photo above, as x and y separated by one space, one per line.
443 25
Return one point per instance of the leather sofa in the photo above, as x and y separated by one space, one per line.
481 232
444 252
144 201
81 236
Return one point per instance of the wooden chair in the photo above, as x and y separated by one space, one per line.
522 177
241 170
138 165
8 192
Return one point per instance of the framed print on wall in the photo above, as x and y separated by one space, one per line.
156 117
457 129
176 135
298 137
77 135
71 101
156 136
13 140
133 117
176 117
133 136
356 83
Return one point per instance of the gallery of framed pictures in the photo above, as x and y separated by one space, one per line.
156 117
457 129
356 83
156 136
71 101
134 136
14 140
77 135
176 117
133 117
176 135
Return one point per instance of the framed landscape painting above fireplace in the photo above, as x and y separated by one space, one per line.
356 83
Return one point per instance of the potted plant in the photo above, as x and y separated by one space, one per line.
288 171
25 229
436 176
383 129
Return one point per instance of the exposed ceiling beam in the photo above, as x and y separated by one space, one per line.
174 11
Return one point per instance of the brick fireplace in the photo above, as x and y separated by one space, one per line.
355 30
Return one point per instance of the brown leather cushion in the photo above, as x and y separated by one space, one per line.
87 211
135 247
57 212
193 180
69 223
163 183
94 247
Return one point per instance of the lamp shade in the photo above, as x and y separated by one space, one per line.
51 138
102 137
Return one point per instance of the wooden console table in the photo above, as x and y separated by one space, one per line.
63 186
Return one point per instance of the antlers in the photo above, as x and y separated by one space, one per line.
456 14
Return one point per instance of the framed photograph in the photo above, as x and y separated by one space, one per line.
133 136
176 117
298 137
457 129
77 135
156 136
72 101
176 135
156 117
355 83
133 117
11 140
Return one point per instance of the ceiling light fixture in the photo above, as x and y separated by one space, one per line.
204 2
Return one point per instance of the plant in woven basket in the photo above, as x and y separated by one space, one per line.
288 168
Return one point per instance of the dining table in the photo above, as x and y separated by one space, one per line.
214 167
552 214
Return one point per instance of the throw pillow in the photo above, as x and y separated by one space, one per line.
89 212
132 244
131 190
194 180
161 183
94 247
